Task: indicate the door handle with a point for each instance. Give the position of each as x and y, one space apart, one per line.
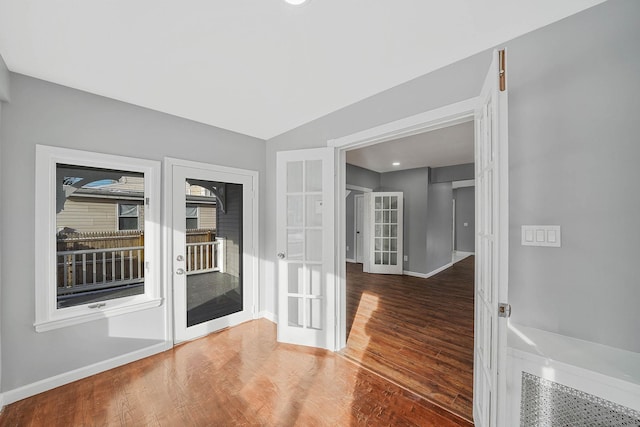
281 255
180 271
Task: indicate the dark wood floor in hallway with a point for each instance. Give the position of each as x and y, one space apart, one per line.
416 332
237 377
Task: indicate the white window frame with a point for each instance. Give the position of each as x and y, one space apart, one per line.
47 315
118 216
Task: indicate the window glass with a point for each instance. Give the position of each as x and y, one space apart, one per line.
192 217
99 234
128 217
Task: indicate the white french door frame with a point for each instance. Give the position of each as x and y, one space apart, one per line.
167 224
438 118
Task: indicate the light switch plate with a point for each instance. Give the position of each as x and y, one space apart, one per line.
541 235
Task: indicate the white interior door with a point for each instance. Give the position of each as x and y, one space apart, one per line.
212 233
359 225
491 250
385 232
305 247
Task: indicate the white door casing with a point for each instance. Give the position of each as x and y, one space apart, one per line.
385 232
491 249
306 247
177 171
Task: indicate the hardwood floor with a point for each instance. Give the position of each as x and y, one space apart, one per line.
416 332
236 377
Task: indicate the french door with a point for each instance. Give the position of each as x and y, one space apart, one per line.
385 232
212 251
491 249
305 247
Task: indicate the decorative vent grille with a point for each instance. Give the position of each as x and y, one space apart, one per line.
546 403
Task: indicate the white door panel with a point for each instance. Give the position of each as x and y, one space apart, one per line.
385 232
491 251
213 279
305 247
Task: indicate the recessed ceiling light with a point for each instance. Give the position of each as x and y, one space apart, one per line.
296 2
395 163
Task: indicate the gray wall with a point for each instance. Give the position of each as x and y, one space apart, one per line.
45 113
573 161
573 129
4 96
453 173
439 221
362 177
465 213
413 184
4 81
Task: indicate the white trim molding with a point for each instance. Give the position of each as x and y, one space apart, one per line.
268 315
429 274
358 188
463 183
438 118
80 373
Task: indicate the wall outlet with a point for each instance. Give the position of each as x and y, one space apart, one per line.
347 248
406 257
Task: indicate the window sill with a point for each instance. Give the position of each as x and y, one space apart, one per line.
99 313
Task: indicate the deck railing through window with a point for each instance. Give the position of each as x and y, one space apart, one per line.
203 257
95 269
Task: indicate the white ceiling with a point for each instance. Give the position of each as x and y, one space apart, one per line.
258 67
448 146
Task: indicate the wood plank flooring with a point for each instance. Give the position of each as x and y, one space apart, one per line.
416 332
237 377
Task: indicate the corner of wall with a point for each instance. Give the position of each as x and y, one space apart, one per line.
4 81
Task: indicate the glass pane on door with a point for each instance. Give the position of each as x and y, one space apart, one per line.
304 222
386 230
213 252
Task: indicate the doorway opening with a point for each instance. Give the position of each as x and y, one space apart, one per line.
416 327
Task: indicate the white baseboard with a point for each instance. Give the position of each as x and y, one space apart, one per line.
429 274
268 315
352 261
460 255
32 389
